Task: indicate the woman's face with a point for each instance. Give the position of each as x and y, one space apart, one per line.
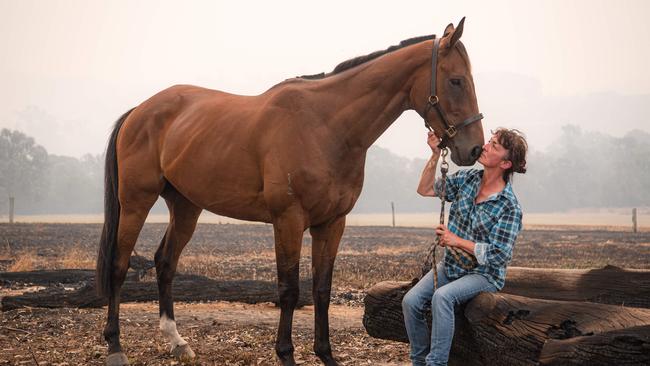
494 155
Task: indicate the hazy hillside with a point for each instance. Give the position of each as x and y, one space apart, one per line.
581 169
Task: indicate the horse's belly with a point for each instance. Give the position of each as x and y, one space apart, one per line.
240 210
220 194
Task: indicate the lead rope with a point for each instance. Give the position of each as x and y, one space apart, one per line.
430 261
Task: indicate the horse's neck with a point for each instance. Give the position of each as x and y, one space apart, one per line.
364 101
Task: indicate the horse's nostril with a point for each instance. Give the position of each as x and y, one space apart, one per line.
476 152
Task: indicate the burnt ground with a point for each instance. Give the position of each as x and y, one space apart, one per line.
232 333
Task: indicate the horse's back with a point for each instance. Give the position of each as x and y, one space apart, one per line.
201 141
229 153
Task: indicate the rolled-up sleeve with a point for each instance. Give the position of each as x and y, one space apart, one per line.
497 252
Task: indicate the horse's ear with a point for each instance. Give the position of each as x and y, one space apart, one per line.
457 33
448 30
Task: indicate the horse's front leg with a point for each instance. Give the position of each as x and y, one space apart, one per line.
288 229
325 244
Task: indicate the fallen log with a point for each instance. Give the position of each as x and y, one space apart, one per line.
382 315
138 266
48 277
630 346
506 329
609 285
502 329
185 288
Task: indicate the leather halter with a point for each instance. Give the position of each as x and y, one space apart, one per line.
450 129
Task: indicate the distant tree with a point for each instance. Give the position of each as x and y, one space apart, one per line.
630 170
392 178
75 186
585 169
23 166
94 167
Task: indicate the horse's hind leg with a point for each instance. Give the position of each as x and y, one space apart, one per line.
183 216
132 216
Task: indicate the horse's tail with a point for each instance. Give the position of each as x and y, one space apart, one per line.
104 274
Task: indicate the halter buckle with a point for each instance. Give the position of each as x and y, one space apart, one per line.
451 131
433 99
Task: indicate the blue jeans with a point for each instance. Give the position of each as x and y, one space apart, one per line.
435 350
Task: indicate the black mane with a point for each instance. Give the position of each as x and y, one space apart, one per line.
345 65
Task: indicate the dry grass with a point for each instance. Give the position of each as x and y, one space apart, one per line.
367 255
76 257
382 250
25 261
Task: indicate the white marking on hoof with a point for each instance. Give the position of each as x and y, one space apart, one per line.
168 328
183 353
117 359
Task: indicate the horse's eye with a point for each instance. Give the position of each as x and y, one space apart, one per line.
455 82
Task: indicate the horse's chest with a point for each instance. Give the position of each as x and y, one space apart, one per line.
337 199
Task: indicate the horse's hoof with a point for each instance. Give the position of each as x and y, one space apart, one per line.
287 360
117 359
183 353
327 359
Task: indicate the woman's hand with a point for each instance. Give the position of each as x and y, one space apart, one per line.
433 141
447 238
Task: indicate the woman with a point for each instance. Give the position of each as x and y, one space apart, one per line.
484 220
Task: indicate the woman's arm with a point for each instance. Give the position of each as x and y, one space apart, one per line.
425 187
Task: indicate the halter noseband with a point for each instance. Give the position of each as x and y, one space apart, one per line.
450 130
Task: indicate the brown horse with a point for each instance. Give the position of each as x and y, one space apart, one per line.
293 156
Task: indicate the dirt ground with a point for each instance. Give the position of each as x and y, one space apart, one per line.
241 334
220 333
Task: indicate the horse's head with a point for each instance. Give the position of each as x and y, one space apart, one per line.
443 94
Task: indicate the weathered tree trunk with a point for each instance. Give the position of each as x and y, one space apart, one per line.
608 285
382 316
501 329
49 277
185 288
630 346
505 329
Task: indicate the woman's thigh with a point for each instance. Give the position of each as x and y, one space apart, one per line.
465 288
423 290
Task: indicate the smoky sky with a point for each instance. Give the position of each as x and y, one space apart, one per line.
70 68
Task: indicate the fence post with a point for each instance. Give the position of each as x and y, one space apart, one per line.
392 207
634 222
11 210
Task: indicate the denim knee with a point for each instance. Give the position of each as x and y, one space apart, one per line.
410 302
443 297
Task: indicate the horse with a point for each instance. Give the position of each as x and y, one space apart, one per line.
292 156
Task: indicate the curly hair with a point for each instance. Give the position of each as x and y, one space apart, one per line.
515 142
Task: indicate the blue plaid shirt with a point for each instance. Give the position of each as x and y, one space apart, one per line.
492 225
